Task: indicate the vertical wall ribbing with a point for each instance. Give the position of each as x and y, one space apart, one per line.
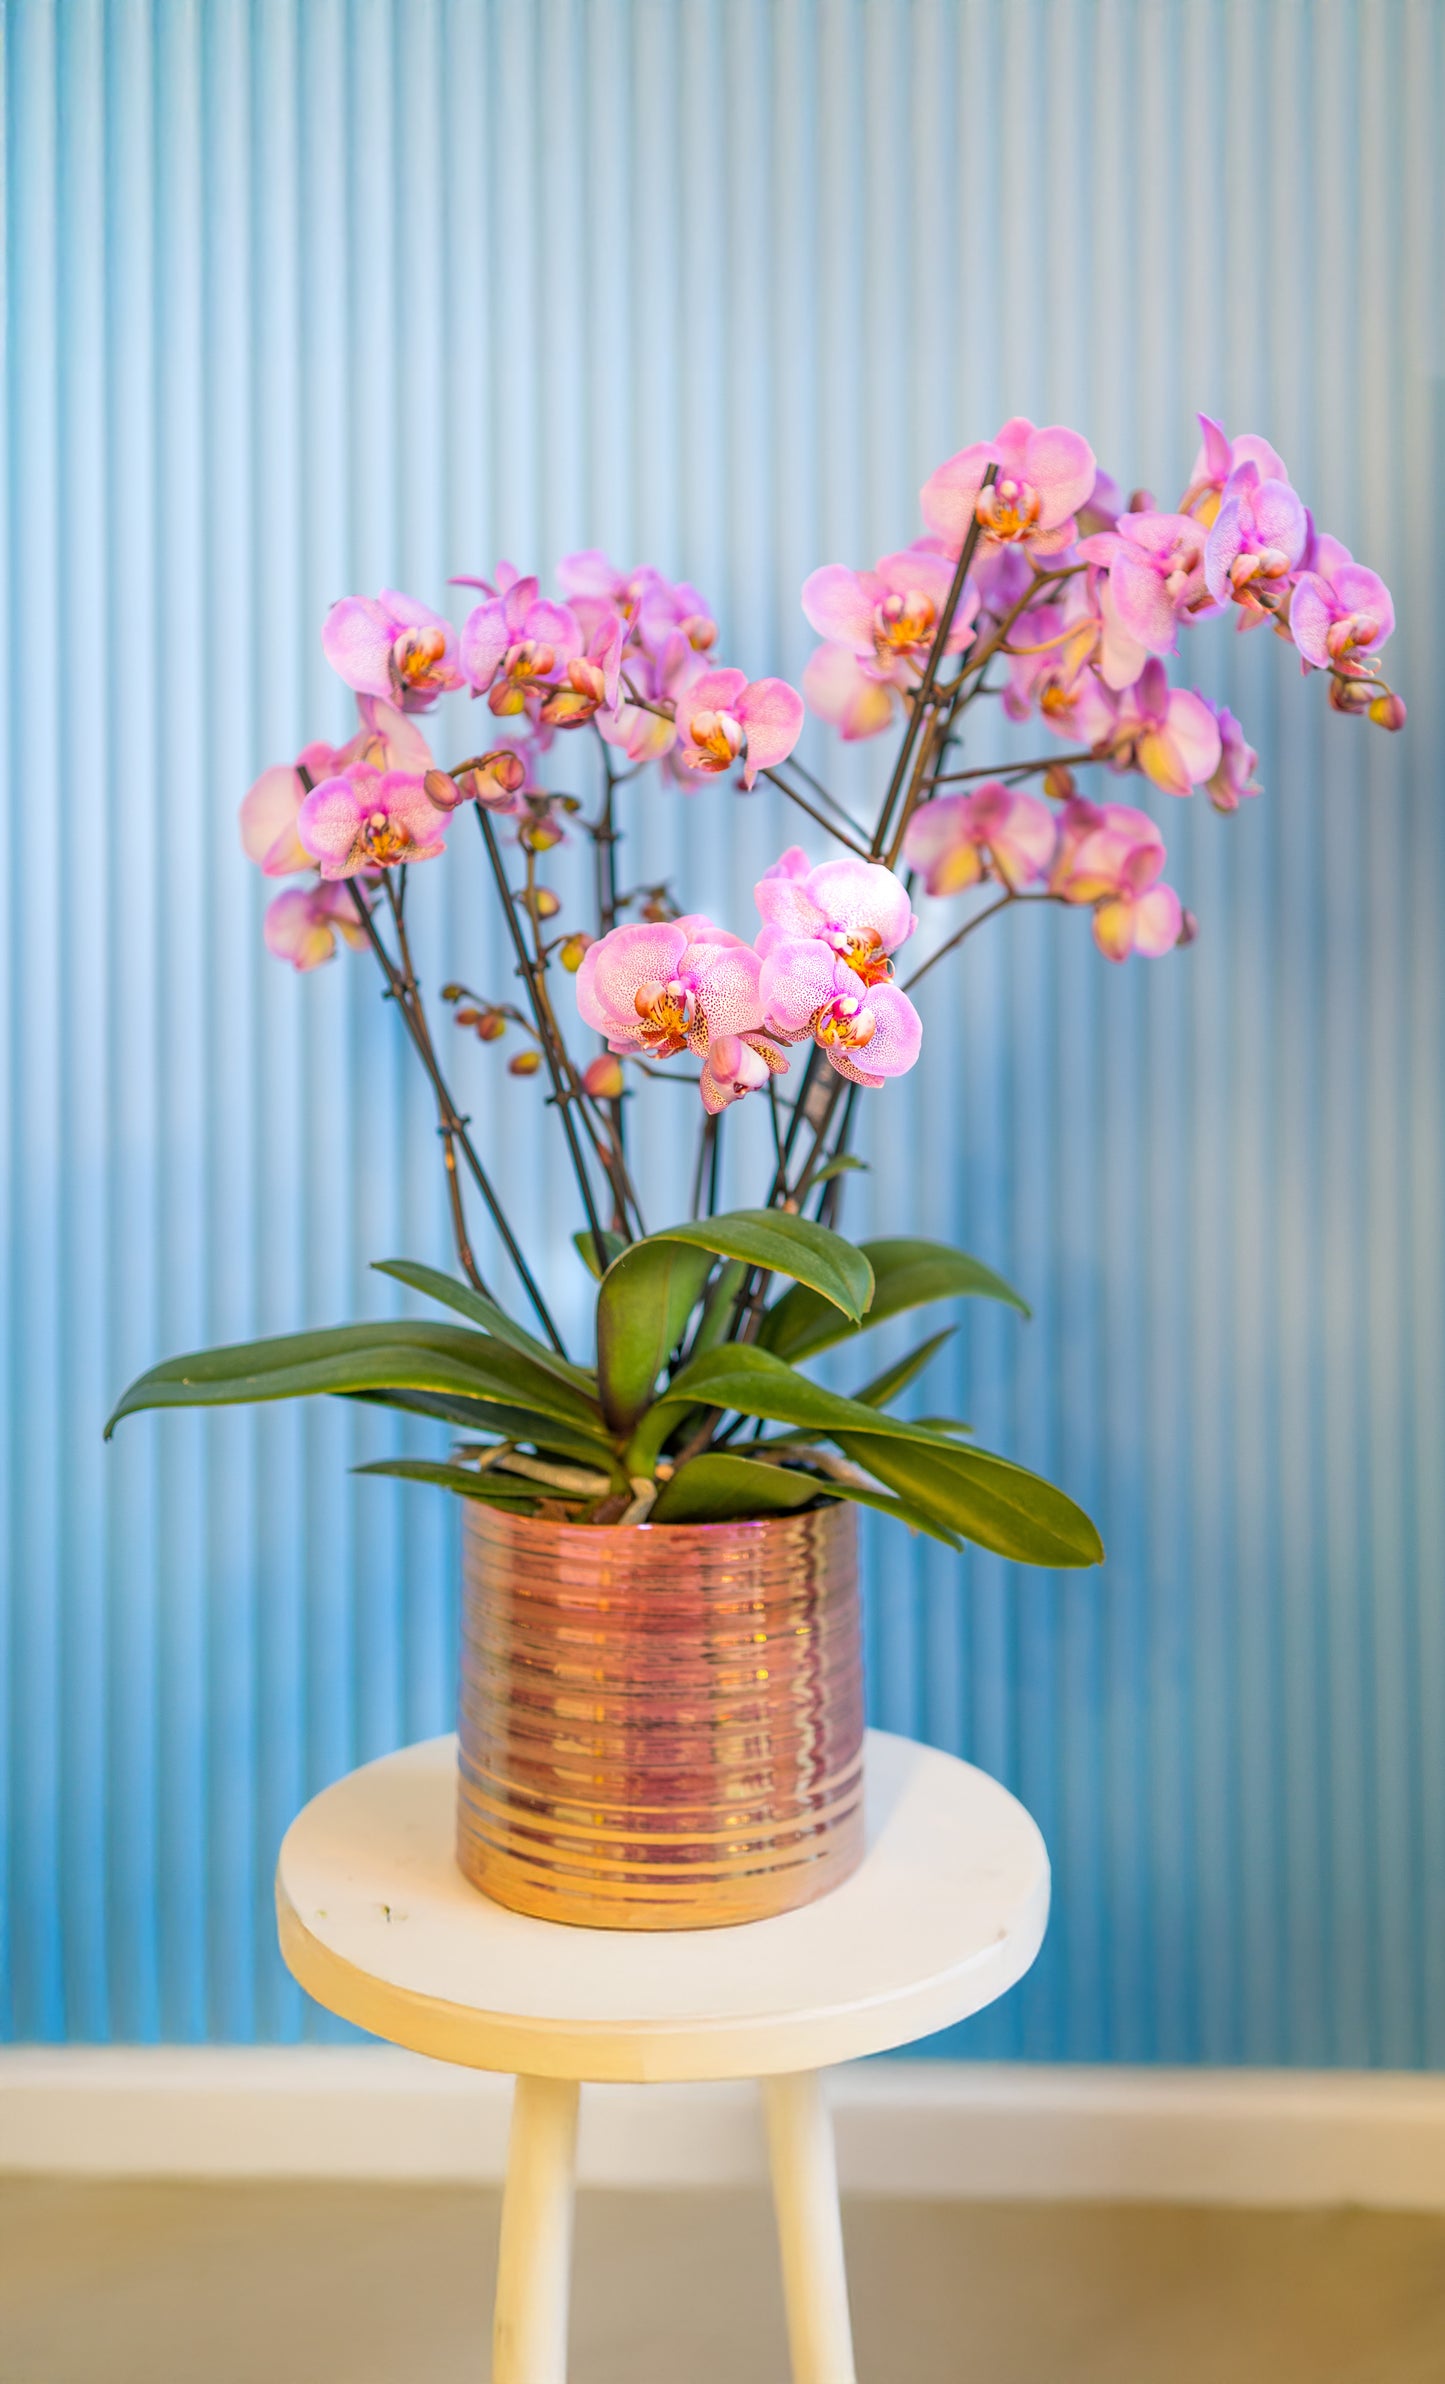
307 295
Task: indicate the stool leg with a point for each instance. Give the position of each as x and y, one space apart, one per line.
810 2236
534 2272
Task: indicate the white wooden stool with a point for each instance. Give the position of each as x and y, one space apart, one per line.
946 1912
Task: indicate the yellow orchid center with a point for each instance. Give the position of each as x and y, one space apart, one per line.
384 839
902 623
862 948
717 739
418 653
669 1017
1008 510
845 1022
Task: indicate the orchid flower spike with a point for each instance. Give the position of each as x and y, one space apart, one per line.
1340 614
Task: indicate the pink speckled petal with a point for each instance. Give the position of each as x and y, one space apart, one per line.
839 605
863 895
614 968
1060 465
356 638
772 713
797 977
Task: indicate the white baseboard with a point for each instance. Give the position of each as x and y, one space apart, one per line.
949 2129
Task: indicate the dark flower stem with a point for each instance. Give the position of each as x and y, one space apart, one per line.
453 1125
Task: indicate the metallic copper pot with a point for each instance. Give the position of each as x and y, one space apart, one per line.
660 1728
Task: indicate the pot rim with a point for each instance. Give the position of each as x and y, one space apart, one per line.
593 1535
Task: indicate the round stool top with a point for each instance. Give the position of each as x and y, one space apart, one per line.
946 1912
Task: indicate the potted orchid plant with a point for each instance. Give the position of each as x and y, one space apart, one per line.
691 1448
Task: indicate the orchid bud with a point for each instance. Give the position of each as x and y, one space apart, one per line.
538 836
542 902
525 1063
490 1025
442 790
1188 931
572 953
1060 784
602 1078
1350 695
451 993
1388 711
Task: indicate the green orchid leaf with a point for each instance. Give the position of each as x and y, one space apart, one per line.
543 1433
754 1382
906 1274
360 1357
585 1244
834 1271
719 1488
647 1296
998 1505
717 1308
846 1164
475 1305
463 1480
901 1510
896 1378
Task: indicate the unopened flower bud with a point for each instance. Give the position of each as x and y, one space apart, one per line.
451 993
538 836
1388 711
524 1063
490 1025
442 791
542 902
602 1078
572 953
1060 783
1188 930
467 1016
1140 501
1350 695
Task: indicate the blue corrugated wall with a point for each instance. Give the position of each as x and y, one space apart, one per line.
312 295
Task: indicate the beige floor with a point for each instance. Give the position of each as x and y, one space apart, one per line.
194 2284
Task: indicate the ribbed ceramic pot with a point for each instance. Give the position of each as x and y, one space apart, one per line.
660 1728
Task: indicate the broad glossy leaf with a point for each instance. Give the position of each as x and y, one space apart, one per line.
360 1357
897 1377
586 1247
906 1274
646 1298
834 1270
755 1382
718 1487
464 1480
544 1433
900 1509
452 1293
998 1505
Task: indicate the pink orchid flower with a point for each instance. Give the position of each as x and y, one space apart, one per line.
886 617
1168 733
1340 614
646 731
1044 476
735 1065
593 680
669 987
840 691
1218 459
368 819
808 990
1110 857
997 831
517 644
1234 777
272 806
1258 539
1155 565
723 717
392 647
1052 653
857 910
302 925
